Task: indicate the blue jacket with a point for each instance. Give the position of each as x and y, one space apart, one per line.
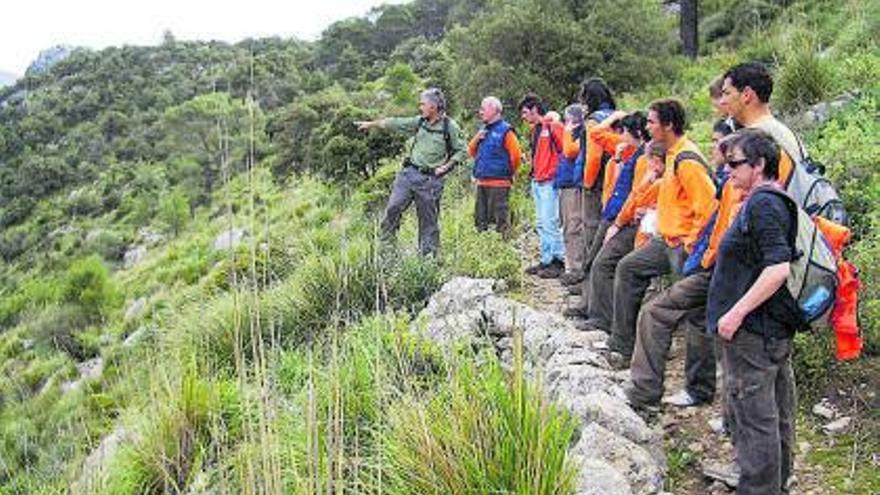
622 187
570 171
493 160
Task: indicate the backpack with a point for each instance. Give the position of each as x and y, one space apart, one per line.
812 281
813 192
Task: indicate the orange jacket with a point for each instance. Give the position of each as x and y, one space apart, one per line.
731 201
595 150
643 195
686 199
607 140
511 144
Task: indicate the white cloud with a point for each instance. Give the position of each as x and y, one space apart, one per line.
33 25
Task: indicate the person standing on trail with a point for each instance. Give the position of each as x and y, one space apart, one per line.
569 185
435 149
546 145
685 203
599 103
497 156
745 95
755 316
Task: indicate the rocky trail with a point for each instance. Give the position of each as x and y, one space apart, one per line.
689 442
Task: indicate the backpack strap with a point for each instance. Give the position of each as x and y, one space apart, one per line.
447 137
536 136
691 155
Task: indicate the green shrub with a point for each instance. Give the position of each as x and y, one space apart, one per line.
59 327
174 210
88 285
804 78
108 244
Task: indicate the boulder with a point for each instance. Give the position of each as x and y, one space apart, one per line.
135 309
134 255
229 239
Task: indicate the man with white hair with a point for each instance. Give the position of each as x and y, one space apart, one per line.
497 156
436 147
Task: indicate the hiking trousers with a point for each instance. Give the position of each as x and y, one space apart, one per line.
426 190
631 280
547 220
492 207
681 305
592 201
598 288
571 209
762 394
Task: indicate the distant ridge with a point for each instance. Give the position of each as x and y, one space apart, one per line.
7 78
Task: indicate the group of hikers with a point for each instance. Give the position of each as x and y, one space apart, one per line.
623 198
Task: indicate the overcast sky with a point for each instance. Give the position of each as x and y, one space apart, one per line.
33 25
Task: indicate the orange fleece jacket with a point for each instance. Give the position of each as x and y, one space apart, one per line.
686 199
643 194
595 149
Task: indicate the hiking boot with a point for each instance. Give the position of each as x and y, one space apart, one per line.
682 398
573 277
727 473
575 312
553 270
646 410
534 269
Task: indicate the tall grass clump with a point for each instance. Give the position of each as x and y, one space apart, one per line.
805 76
172 444
481 431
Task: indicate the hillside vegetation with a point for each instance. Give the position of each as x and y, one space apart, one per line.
282 363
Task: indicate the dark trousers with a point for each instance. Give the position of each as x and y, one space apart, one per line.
492 207
681 305
762 392
592 201
598 292
426 190
590 256
631 280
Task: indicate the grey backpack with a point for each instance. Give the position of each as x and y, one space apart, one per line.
813 192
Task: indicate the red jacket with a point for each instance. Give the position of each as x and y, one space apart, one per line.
545 152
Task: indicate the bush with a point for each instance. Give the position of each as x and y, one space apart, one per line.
805 77
108 244
174 210
59 327
88 285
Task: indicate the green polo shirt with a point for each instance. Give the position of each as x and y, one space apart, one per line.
427 143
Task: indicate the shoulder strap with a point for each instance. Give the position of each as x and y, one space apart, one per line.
447 136
690 155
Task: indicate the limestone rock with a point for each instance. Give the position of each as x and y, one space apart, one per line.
229 239
838 426
632 461
134 255
600 478
135 309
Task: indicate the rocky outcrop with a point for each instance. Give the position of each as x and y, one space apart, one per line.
229 239
615 450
